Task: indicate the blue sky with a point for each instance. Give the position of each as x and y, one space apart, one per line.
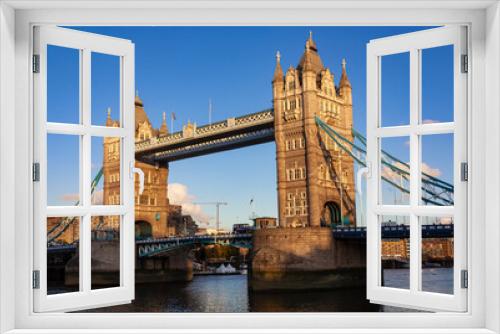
178 69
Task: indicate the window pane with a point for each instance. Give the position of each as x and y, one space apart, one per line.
106 153
437 84
105 251
437 254
395 89
63 264
395 250
63 170
437 169
63 85
105 89
395 171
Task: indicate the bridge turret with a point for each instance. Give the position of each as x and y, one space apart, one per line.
311 68
345 90
109 121
278 105
278 81
345 85
138 101
163 128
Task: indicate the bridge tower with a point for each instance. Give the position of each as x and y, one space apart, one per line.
152 206
315 177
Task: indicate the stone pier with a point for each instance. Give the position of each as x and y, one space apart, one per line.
174 266
305 258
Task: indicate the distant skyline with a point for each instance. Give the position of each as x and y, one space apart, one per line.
179 69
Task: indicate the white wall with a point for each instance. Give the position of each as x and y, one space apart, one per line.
492 171
7 175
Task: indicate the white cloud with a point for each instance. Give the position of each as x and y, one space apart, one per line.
178 194
436 172
97 197
392 174
395 176
429 121
70 197
446 220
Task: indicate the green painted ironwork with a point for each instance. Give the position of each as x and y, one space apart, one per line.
435 191
57 230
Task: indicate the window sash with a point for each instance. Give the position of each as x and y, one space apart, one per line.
173 16
413 43
86 43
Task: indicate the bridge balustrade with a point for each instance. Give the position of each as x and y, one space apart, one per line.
237 124
151 247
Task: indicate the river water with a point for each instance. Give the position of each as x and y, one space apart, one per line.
229 293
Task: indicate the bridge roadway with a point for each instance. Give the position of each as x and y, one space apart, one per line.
152 247
221 136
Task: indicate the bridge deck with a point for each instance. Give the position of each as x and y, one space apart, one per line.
217 137
151 247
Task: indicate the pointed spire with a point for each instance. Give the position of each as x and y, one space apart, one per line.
278 71
344 81
310 60
109 121
306 61
163 127
138 101
310 44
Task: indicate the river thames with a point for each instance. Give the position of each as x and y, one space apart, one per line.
229 293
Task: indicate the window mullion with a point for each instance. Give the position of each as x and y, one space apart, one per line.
414 170
86 112
85 167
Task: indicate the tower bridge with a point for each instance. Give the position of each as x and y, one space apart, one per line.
310 123
315 177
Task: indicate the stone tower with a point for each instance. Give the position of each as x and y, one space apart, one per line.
152 207
315 177
111 179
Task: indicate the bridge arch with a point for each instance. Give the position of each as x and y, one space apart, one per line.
143 229
331 214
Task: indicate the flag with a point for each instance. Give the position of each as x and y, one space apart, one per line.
251 201
173 116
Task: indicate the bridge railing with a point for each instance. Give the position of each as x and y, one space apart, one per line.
210 129
172 137
264 115
151 247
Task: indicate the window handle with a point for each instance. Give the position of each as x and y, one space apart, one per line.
367 172
136 170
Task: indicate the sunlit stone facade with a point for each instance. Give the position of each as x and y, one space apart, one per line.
313 172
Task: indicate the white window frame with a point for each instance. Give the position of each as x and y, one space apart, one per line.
16 20
85 43
413 43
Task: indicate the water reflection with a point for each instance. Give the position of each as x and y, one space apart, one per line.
230 294
342 300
